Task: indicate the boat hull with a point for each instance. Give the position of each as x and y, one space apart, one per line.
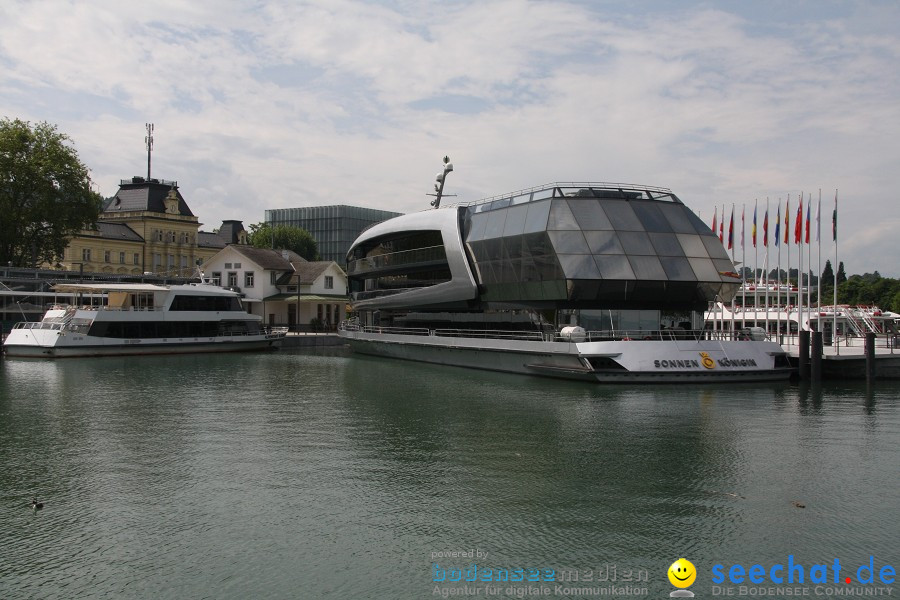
637 361
28 343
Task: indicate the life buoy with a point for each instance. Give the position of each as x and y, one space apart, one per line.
626 339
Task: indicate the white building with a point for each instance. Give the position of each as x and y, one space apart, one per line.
282 286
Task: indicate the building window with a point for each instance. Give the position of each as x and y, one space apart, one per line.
232 279
121 258
237 265
248 279
217 278
171 261
137 258
329 282
227 265
157 261
158 234
86 254
273 277
107 256
184 262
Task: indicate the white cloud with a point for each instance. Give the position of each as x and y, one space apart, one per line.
319 102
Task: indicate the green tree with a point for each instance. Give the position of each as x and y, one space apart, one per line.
841 275
288 237
45 193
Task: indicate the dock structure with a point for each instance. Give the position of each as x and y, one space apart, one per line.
848 358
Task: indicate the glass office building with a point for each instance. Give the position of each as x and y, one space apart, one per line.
333 227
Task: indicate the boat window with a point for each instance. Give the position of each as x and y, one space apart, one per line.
677 268
561 217
604 242
647 267
614 267
621 215
666 244
692 245
536 220
589 214
184 302
569 242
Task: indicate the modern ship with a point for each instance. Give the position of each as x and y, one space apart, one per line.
133 318
603 282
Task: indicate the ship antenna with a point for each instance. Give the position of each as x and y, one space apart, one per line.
439 183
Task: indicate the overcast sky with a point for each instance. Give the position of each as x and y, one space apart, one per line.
300 103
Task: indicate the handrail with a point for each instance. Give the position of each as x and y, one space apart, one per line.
400 258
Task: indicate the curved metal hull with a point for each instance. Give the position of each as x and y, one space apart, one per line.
641 361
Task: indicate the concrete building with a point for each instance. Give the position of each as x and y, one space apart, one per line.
333 227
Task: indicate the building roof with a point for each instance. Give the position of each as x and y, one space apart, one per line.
230 231
272 260
139 194
207 239
117 231
309 272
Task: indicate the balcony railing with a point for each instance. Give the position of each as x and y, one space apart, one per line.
396 259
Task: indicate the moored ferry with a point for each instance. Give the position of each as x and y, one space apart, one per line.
591 281
126 319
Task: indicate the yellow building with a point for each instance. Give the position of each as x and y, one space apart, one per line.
147 227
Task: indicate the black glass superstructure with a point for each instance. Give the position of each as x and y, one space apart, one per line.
557 246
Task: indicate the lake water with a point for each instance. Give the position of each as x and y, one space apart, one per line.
326 475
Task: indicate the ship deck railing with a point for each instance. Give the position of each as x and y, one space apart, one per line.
617 335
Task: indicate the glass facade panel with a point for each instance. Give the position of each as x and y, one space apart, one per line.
678 220
647 267
604 242
692 245
495 221
538 213
476 227
614 267
651 217
714 247
561 216
579 266
589 214
515 220
569 242
666 244
677 268
704 269
636 243
621 215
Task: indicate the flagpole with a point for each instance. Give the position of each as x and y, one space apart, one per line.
808 261
778 272
819 253
798 239
743 272
787 229
766 265
837 345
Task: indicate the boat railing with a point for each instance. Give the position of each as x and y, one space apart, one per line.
490 334
397 259
58 326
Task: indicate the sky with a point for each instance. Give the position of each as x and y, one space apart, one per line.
272 104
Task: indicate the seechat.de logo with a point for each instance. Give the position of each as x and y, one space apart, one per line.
682 574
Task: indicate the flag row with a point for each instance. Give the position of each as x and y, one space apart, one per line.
801 235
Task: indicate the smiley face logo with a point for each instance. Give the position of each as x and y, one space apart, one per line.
682 573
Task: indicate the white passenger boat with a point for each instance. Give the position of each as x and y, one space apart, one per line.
123 318
783 310
590 281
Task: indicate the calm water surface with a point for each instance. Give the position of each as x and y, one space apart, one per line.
327 475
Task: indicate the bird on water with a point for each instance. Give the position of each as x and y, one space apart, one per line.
35 505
